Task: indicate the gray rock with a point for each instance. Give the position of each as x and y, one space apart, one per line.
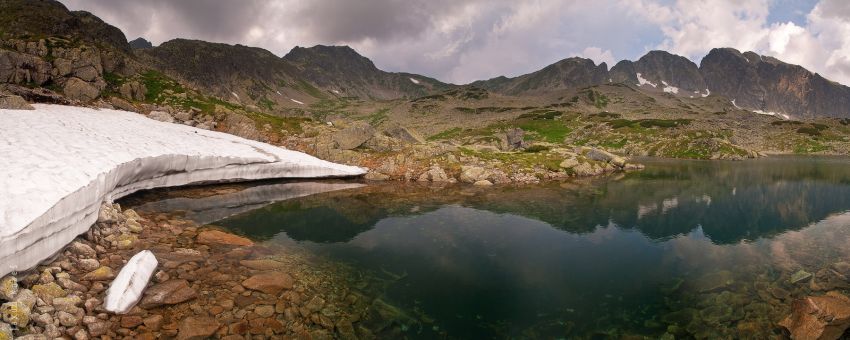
568 163
13 102
88 265
405 134
435 174
82 249
98 328
77 89
122 104
161 116
515 138
353 136
472 174
67 319
86 73
605 156
133 90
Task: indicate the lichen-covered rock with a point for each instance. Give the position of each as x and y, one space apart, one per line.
48 291
100 274
5 331
354 135
8 288
15 313
472 174
27 297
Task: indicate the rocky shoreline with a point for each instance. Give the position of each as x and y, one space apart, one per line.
209 284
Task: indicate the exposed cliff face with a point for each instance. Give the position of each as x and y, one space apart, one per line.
42 18
139 43
678 73
770 85
343 70
624 72
569 73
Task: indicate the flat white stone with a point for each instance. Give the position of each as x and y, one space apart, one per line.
58 163
127 288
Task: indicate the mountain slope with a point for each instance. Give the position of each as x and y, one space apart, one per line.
770 85
568 73
342 70
762 84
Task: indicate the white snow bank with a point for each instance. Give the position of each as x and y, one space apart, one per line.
296 101
775 114
643 81
58 163
126 290
414 81
707 93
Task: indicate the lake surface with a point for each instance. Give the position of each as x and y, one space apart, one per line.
682 248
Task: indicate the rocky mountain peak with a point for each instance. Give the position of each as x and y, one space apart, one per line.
140 43
669 72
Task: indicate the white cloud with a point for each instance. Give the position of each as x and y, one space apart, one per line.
599 56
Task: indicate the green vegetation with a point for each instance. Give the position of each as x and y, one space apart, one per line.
157 83
378 117
547 160
536 148
814 130
541 114
553 131
266 103
785 122
648 123
597 99
309 89
447 134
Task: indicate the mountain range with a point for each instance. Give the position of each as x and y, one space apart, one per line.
41 41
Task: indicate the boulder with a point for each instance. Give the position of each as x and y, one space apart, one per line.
819 317
86 73
122 104
239 125
515 138
161 116
353 136
168 293
133 90
197 327
568 163
210 237
405 134
13 102
77 89
269 283
605 156
472 174
35 95
434 174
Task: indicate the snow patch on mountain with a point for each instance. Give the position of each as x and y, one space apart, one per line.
643 81
296 101
669 89
60 162
414 81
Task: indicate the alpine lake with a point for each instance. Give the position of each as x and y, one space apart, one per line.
684 249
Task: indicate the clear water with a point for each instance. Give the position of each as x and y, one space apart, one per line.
683 248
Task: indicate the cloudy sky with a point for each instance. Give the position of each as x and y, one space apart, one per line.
464 40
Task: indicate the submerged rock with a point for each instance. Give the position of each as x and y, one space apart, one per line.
168 293
210 237
819 317
269 283
197 327
800 276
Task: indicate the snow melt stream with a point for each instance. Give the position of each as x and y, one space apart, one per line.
58 163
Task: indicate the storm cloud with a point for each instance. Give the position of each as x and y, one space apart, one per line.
465 40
